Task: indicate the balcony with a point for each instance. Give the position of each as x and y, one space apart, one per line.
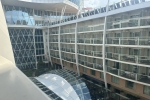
128 74
135 21
91 40
97 53
112 70
129 58
72 50
129 41
89 28
68 40
54 32
98 66
112 55
143 78
71 30
90 53
144 60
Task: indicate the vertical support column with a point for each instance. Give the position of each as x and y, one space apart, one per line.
48 48
59 47
76 47
104 37
34 46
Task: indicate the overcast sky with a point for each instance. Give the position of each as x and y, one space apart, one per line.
97 3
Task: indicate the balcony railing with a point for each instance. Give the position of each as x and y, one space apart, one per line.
113 70
54 32
128 74
131 22
129 58
68 50
90 53
53 40
112 55
91 40
91 64
54 48
128 40
69 59
71 30
68 40
141 77
94 28
100 10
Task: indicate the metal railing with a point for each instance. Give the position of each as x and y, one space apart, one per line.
128 40
90 40
114 6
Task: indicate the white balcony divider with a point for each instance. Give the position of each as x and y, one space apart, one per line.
49 47
59 47
35 46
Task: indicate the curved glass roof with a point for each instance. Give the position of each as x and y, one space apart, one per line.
65 84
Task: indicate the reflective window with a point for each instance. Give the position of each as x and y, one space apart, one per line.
23 47
130 85
115 79
147 90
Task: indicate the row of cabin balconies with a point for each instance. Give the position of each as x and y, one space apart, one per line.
133 72
93 65
131 22
138 59
128 40
141 41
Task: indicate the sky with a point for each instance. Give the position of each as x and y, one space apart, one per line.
97 3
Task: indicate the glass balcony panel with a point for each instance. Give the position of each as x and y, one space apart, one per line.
128 58
144 60
112 70
144 41
145 21
81 51
98 66
80 40
128 74
97 53
88 53
143 78
89 64
129 41
112 40
87 41
111 55
97 41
